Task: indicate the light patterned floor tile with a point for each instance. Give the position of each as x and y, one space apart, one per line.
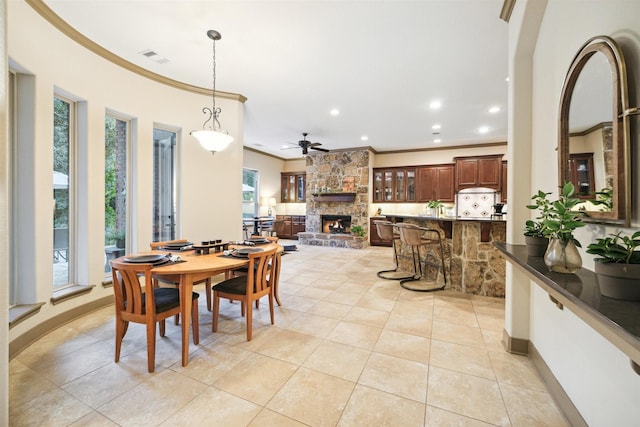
531 407
362 336
340 360
214 407
397 376
370 407
257 378
461 358
467 395
406 346
312 398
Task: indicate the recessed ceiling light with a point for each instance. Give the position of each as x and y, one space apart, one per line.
435 105
483 129
285 146
507 79
436 127
437 140
494 109
334 112
364 138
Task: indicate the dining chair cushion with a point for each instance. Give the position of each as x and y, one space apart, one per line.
166 299
235 285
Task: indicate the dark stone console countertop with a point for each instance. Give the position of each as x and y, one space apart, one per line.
618 321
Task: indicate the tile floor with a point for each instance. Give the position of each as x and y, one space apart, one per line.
347 349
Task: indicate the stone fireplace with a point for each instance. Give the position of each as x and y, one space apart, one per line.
337 189
336 224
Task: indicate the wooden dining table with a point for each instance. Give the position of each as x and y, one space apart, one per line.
194 268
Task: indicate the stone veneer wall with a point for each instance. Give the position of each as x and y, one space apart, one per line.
335 171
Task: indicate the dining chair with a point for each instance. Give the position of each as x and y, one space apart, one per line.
132 300
248 288
156 281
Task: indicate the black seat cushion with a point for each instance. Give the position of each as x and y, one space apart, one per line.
167 298
237 286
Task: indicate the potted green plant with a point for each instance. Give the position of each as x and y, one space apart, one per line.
534 229
357 231
433 208
618 265
562 255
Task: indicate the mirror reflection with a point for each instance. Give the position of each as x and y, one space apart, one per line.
591 135
594 132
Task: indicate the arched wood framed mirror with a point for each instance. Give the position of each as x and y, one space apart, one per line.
594 148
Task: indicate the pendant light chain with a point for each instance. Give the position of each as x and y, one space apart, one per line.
214 77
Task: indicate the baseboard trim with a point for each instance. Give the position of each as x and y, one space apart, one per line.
33 334
515 345
562 400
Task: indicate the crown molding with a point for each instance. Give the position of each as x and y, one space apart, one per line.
43 10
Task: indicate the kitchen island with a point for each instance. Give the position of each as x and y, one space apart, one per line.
474 265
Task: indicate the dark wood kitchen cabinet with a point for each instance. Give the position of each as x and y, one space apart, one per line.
288 226
374 237
504 181
394 185
435 182
581 174
293 187
479 171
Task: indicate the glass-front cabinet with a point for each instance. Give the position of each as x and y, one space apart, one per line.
394 185
293 187
582 175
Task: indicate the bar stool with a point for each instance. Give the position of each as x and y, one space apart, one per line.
417 237
388 234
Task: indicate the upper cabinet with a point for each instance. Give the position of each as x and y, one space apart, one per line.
581 174
394 185
293 187
435 183
479 171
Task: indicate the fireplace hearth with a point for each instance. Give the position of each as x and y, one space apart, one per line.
336 224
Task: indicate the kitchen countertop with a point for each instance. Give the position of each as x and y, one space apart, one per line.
446 218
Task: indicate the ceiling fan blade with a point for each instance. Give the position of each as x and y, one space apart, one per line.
314 144
319 149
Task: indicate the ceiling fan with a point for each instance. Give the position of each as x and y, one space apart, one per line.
305 145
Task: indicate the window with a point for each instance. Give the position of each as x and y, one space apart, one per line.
63 191
115 187
164 185
250 200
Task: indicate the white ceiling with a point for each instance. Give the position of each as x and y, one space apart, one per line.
380 63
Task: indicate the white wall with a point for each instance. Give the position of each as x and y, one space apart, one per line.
596 376
209 187
433 156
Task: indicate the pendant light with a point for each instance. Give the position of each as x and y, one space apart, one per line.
213 138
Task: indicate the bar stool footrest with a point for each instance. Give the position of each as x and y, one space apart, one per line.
421 285
395 274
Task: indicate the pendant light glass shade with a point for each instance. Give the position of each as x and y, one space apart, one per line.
211 140
215 138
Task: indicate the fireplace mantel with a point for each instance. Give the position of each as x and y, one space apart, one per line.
334 197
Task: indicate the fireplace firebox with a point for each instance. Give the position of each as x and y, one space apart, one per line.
336 224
